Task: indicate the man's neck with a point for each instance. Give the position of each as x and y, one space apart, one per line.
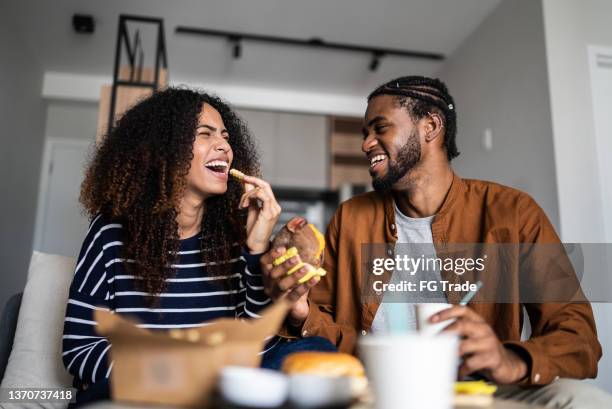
423 191
191 212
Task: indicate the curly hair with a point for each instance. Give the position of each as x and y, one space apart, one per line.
137 176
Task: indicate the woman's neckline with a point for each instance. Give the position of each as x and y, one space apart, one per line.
195 236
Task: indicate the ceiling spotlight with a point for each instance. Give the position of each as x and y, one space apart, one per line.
376 56
237 48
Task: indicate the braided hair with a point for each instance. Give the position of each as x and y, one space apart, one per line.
422 96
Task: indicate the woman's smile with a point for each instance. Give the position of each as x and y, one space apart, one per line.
219 168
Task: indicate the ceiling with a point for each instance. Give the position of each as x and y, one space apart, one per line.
425 25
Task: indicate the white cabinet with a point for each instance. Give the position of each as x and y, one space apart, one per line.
293 147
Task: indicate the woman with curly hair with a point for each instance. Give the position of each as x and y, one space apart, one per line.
173 241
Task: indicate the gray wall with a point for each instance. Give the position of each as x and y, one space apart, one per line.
21 144
570 27
71 120
499 81
523 73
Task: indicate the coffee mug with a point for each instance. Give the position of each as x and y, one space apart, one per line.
411 370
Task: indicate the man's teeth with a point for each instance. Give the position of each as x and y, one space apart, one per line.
216 164
375 159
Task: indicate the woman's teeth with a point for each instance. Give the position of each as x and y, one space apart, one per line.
217 165
375 159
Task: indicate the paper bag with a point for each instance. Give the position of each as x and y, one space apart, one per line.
181 367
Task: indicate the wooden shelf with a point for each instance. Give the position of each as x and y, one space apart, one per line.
348 162
127 97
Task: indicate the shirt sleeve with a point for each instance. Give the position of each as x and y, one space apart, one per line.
322 298
255 298
84 352
564 341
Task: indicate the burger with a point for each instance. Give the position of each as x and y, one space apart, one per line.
328 364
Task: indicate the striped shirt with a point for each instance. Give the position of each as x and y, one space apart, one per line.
192 297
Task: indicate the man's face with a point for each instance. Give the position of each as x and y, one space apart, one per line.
391 141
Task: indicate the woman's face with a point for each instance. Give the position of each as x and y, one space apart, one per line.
212 155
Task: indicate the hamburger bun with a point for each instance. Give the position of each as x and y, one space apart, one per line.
331 364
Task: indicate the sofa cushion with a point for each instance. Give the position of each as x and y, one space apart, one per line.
36 357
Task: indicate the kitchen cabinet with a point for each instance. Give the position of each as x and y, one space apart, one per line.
294 149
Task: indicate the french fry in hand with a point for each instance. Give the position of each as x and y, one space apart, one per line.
290 253
312 273
237 174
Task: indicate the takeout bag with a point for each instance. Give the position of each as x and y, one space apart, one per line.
153 367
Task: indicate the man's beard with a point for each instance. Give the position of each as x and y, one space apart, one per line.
408 156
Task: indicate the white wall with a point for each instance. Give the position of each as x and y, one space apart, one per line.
570 27
21 144
70 132
86 88
498 79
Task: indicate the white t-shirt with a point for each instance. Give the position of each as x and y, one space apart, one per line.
397 311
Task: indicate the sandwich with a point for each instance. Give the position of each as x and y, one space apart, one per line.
303 238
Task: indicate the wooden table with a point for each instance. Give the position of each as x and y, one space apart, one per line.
497 404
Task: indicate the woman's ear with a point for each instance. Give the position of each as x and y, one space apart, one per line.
434 126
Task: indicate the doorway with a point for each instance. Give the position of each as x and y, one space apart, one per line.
60 222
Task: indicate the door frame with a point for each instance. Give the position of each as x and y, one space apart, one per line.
597 53
43 186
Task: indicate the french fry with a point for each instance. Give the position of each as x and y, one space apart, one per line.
312 273
290 253
316 272
237 174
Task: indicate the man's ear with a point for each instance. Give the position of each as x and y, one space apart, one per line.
433 126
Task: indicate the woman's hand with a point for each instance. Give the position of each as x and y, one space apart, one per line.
264 212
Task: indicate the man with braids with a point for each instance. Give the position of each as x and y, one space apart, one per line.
173 241
409 139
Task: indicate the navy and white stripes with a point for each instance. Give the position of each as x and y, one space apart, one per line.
192 297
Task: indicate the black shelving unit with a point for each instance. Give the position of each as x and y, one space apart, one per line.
134 50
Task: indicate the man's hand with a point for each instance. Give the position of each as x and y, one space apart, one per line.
480 348
277 284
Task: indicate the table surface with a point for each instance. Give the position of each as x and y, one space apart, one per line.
497 404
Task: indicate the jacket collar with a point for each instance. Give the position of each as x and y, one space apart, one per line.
455 193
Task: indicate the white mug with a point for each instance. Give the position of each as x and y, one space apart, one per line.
424 312
411 370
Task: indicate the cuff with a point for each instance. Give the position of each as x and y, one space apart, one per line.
304 330
538 372
252 260
311 323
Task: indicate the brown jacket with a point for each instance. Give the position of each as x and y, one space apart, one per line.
564 339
